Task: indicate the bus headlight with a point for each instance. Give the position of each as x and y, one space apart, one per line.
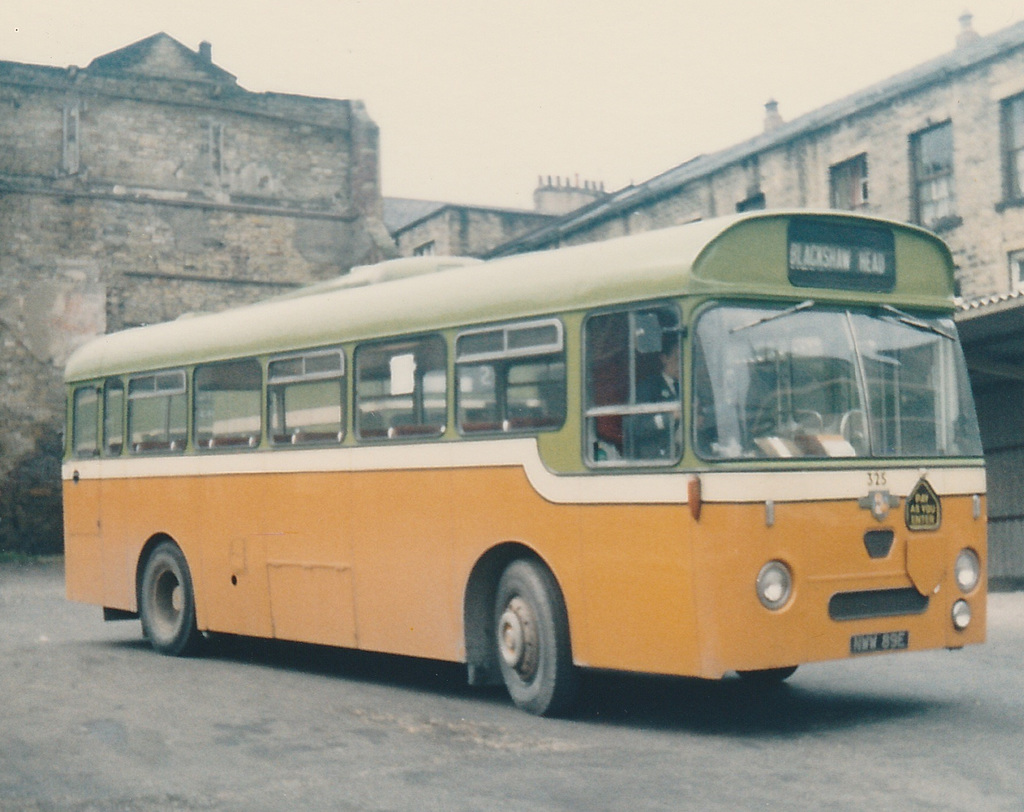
774 585
967 569
961 615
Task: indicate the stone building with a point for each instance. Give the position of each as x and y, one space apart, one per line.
423 227
142 186
940 145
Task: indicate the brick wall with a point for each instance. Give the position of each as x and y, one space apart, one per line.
144 186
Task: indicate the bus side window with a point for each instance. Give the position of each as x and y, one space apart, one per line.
511 378
633 399
113 417
401 389
227 405
84 425
157 412
306 398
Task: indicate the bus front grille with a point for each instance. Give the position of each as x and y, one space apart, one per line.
877 603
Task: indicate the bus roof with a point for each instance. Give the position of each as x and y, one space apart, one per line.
406 299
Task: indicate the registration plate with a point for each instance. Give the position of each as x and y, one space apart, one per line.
881 641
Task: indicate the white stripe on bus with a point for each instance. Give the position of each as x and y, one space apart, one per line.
636 486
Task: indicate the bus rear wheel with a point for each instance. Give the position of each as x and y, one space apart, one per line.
167 602
531 633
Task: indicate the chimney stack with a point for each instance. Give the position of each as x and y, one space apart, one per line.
205 51
554 197
772 117
967 33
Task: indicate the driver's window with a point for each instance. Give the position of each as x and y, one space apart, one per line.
633 395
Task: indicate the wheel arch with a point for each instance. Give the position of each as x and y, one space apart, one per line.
147 550
478 608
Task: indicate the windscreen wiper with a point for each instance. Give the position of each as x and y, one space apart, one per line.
772 316
920 324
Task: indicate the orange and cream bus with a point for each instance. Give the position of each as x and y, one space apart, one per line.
738 445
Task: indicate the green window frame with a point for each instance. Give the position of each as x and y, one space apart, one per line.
228 405
401 389
158 412
632 410
85 415
511 378
306 398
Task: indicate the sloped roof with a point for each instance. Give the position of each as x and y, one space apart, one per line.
402 211
160 55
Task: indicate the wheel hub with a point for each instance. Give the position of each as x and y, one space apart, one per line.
517 638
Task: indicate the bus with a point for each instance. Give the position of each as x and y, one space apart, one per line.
730 447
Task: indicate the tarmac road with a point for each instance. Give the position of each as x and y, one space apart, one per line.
93 721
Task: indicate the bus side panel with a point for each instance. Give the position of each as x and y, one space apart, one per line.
499 505
310 567
401 530
83 548
233 579
136 510
624 570
638 589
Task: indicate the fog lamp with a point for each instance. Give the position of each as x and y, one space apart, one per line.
961 615
967 569
774 585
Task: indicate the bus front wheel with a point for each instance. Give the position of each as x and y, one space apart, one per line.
167 602
531 632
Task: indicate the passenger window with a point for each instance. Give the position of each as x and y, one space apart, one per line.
85 421
633 398
401 389
113 417
305 398
157 412
511 378
227 405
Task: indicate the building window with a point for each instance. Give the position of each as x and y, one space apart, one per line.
1013 148
848 183
214 148
1017 269
70 153
934 194
428 249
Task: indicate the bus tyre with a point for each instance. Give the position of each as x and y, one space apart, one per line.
532 638
767 677
167 602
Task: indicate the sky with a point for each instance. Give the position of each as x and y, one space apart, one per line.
476 99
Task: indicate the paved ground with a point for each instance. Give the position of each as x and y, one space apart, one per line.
93 721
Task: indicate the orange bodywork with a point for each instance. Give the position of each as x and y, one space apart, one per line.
380 560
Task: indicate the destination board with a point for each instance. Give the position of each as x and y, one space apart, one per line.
839 255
